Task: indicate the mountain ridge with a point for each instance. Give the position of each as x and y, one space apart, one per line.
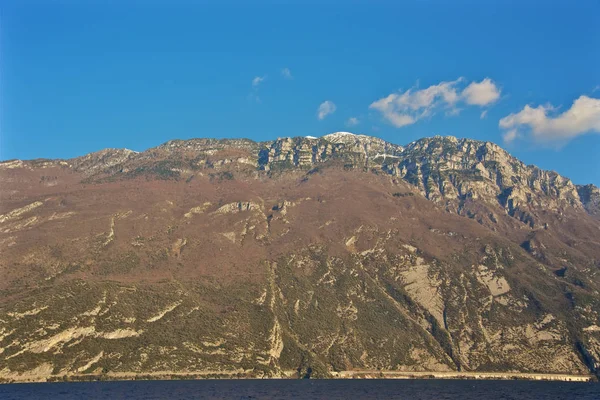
266 142
386 152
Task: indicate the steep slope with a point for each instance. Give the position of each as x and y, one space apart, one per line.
590 197
296 257
445 168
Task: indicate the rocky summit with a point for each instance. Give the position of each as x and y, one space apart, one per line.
298 257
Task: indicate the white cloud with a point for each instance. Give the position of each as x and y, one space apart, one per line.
583 117
352 121
286 73
406 108
481 93
258 80
327 107
483 114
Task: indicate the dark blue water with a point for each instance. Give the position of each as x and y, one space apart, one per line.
304 389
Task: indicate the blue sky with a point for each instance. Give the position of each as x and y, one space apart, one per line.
77 77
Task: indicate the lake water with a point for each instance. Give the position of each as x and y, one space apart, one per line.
304 389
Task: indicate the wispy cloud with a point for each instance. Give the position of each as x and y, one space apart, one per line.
510 135
483 114
258 80
352 121
453 111
544 125
254 97
412 105
286 73
326 108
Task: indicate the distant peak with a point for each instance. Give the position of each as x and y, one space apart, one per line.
342 133
425 141
345 136
447 137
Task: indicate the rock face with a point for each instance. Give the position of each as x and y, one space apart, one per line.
590 197
307 257
446 169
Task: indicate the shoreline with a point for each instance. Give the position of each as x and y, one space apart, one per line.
342 375
530 376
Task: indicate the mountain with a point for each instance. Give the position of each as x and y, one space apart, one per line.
310 257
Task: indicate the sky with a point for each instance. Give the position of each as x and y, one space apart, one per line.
80 76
